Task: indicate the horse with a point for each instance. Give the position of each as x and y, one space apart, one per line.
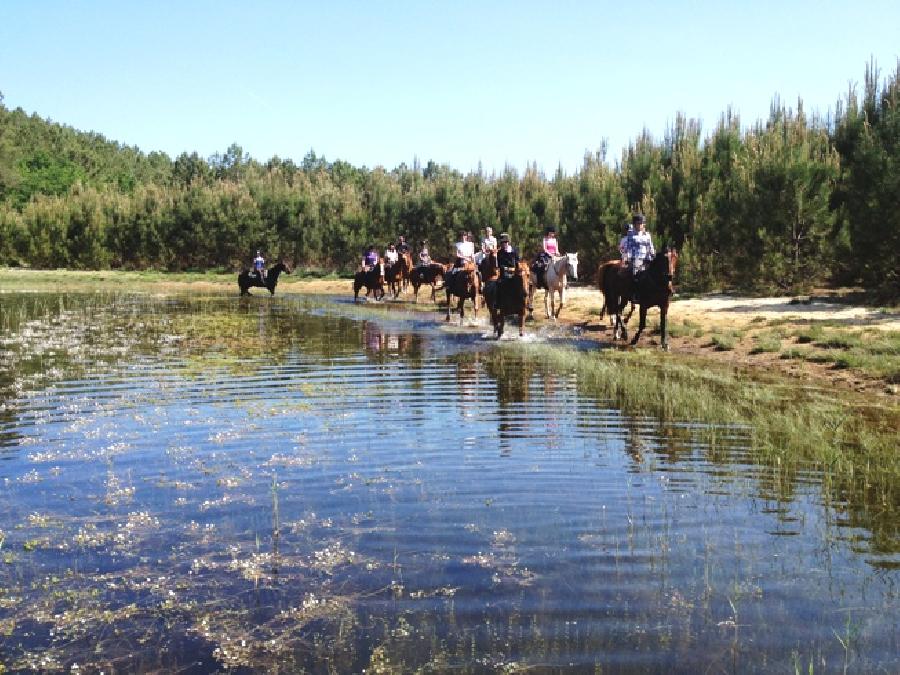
508 296
463 283
488 269
393 277
616 293
247 279
372 280
654 289
558 271
406 267
426 274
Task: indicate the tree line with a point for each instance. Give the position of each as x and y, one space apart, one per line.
787 203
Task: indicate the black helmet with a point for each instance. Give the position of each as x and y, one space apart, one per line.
504 237
549 229
638 218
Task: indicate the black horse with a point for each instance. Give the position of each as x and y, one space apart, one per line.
371 280
654 289
248 279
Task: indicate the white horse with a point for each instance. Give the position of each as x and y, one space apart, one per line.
557 274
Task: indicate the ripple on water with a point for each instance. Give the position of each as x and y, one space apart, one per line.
357 491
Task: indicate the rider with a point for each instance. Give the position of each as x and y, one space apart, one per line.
465 250
391 256
507 258
549 250
259 266
488 244
402 246
424 255
640 249
370 258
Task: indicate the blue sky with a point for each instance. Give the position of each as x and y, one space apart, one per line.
380 83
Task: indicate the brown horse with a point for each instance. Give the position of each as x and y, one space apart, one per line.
426 274
372 280
488 268
654 289
508 296
406 267
464 284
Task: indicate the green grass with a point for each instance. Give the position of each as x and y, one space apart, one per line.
723 343
766 343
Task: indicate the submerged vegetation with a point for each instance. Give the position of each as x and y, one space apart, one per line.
782 203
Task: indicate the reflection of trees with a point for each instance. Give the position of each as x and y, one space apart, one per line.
513 377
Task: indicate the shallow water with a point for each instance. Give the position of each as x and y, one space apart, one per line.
290 484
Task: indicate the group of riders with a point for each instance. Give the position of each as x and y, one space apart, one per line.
635 247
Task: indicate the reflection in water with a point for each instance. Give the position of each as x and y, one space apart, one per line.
212 483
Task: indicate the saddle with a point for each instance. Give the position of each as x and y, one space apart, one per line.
466 267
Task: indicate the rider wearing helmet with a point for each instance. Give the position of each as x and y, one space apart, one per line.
507 257
640 247
402 246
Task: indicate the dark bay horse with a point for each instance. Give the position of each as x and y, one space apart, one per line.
614 278
373 282
393 277
247 279
464 284
507 295
654 289
488 268
426 274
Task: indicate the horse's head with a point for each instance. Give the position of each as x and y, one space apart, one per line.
282 267
662 268
572 265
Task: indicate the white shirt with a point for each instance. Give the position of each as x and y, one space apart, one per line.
465 250
489 244
391 256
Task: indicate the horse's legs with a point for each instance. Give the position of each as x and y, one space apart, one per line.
641 325
562 300
548 300
663 310
449 298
